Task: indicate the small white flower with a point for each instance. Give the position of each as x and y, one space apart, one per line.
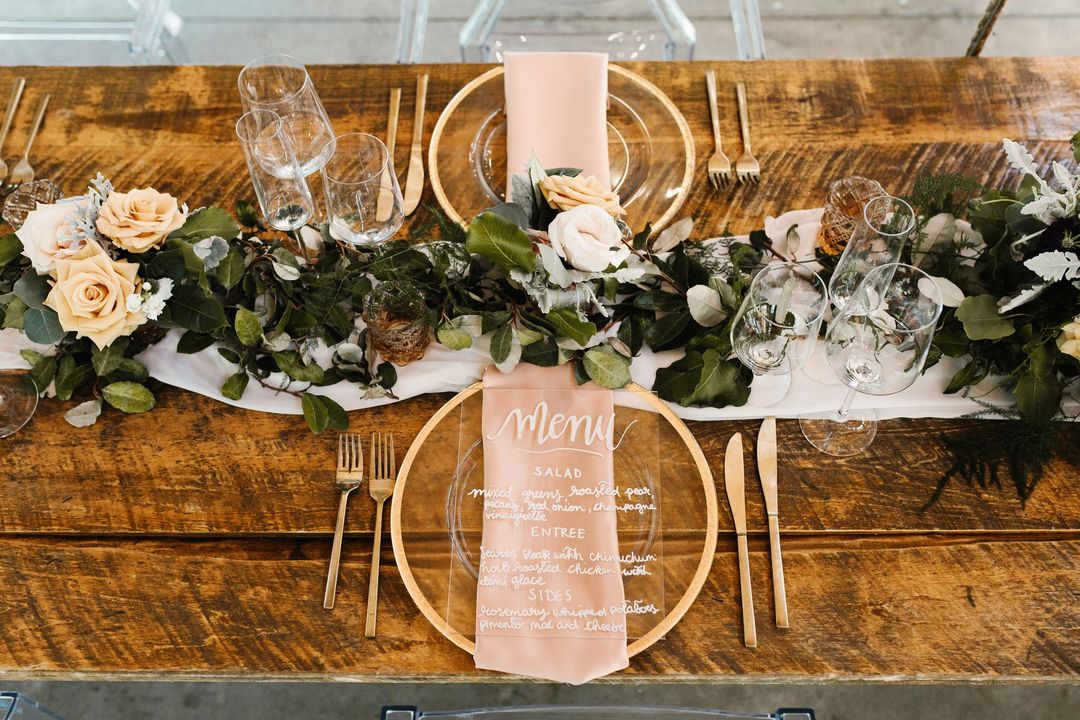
147 286
134 302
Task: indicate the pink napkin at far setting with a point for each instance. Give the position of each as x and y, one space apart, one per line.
550 599
556 109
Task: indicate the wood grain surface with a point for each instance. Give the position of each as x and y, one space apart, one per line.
193 541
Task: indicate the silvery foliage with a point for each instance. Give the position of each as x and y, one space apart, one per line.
82 226
1049 204
211 250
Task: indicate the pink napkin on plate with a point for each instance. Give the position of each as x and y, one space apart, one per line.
556 108
547 441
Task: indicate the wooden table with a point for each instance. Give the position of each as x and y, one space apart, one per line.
193 541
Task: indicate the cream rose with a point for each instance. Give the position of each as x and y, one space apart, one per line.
140 219
587 238
90 295
47 235
1068 341
564 193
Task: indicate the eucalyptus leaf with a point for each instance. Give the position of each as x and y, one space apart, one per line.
706 305
84 414
10 248
107 359
128 397
42 326
13 313
981 319
292 365
501 241
192 342
607 369
192 309
71 376
234 387
206 223
285 272
568 324
247 326
32 289
231 269
315 412
501 341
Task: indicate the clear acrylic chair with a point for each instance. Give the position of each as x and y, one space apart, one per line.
749 37
582 712
14 706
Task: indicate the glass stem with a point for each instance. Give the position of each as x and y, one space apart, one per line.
846 405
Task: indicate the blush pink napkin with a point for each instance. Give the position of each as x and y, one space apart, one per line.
510 460
556 108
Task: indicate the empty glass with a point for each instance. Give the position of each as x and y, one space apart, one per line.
887 224
283 193
18 400
876 345
362 193
281 84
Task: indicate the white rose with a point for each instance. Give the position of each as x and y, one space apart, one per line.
46 235
587 238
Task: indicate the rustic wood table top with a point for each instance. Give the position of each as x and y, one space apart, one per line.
193 541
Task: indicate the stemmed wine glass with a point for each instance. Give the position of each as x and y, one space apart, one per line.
276 175
281 84
362 192
777 325
18 400
887 224
876 345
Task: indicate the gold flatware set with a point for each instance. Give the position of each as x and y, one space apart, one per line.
23 172
414 178
722 174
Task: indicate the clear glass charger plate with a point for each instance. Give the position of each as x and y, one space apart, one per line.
436 524
650 149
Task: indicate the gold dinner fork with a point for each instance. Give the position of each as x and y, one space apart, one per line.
381 486
23 172
746 167
719 165
350 474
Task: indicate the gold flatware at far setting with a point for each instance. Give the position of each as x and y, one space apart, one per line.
734 484
9 115
381 485
385 204
414 181
766 463
350 475
719 165
23 172
747 168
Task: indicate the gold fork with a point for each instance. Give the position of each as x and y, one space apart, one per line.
746 167
381 486
719 165
23 172
350 474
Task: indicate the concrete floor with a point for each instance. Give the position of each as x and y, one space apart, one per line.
348 31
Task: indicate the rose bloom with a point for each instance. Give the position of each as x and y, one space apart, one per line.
90 295
139 220
1068 341
564 192
587 238
46 235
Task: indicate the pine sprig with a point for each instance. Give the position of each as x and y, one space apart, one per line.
935 193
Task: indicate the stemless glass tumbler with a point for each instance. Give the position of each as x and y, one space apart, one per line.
281 84
887 224
876 345
284 195
362 193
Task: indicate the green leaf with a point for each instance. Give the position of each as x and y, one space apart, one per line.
290 363
42 326
13 313
128 397
32 357
84 414
982 320
247 326
315 412
453 337
1075 141
502 241
130 370
192 342
70 377
667 332
10 248
207 223
607 369
43 372
501 342
231 269
234 387
568 324
387 375
971 373
952 341
722 383
337 418
678 380
246 213
107 360
167 264
512 212
192 309
1038 398
544 353
32 289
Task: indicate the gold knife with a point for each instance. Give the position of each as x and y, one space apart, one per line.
766 463
734 483
414 181
385 204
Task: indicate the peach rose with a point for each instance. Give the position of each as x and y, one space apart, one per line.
46 235
564 192
90 295
140 219
1068 341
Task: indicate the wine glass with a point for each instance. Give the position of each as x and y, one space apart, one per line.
887 224
281 84
18 400
276 175
777 325
362 193
876 345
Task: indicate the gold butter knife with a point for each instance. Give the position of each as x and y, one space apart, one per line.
734 484
414 181
766 463
385 204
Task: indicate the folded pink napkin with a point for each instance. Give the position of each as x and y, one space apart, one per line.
549 600
556 108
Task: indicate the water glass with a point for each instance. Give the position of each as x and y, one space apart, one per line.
281 84
776 328
876 345
362 193
397 321
18 400
887 224
283 193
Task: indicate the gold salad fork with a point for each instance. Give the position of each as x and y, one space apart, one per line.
747 168
23 172
719 165
350 474
381 486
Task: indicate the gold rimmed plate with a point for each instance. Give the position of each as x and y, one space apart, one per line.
650 149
